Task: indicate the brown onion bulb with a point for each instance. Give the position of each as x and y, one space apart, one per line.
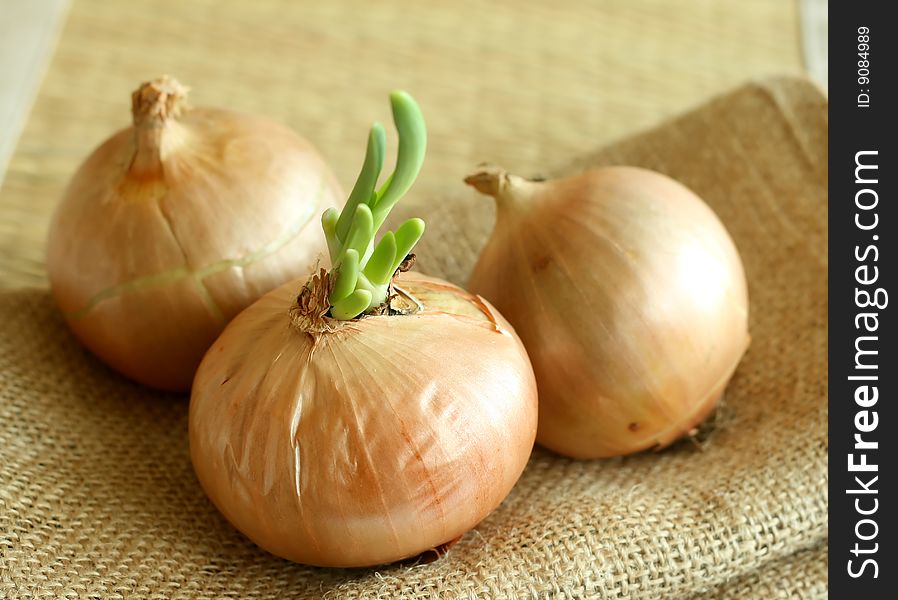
174 225
362 442
629 296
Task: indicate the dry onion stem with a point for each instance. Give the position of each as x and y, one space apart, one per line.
174 225
629 296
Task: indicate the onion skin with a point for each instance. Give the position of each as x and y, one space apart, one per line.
174 225
368 444
629 296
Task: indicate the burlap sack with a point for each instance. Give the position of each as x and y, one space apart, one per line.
98 497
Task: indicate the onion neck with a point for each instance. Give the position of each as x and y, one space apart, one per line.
513 194
311 311
155 106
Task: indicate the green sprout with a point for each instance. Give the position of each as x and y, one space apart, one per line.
362 271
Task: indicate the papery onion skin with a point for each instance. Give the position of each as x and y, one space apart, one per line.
369 444
630 297
174 225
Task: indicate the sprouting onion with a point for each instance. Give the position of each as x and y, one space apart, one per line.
367 414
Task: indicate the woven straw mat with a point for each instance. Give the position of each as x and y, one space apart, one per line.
98 497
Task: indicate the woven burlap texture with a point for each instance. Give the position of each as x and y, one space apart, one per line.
98 497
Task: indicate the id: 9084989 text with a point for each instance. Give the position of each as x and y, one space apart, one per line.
863 66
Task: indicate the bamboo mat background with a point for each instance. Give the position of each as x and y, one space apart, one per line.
525 83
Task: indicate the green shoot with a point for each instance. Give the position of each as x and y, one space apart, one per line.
362 270
351 306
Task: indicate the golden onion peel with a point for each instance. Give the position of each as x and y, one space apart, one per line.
629 296
174 225
365 441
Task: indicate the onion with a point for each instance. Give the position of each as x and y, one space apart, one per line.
629 296
340 440
362 442
174 225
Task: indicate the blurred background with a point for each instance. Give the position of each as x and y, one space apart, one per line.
525 83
